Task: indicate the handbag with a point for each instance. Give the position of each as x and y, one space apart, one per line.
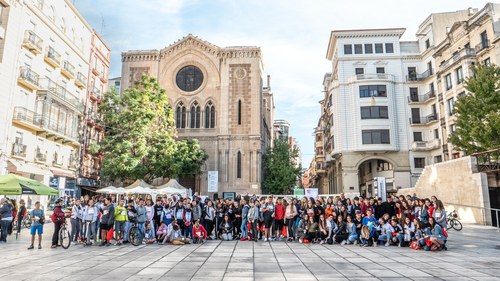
428 242
415 245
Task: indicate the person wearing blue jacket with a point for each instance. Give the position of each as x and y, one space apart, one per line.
371 222
436 236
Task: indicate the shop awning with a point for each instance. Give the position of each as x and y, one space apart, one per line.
29 168
63 173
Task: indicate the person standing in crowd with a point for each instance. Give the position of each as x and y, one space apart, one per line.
21 214
89 219
58 217
209 218
279 218
244 220
132 218
76 220
268 214
253 218
440 214
158 212
6 214
290 215
120 216
38 220
141 219
107 221
188 222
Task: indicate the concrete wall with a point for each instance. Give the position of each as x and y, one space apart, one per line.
459 186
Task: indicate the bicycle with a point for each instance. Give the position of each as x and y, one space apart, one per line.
133 235
25 222
64 236
453 222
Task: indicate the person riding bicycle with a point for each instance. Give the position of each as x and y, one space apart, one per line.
58 216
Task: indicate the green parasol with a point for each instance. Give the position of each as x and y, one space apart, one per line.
16 185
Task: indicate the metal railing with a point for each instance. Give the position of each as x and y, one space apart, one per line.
39 120
25 73
68 67
481 46
418 77
95 92
19 149
28 116
423 120
39 156
415 97
495 219
81 78
488 161
53 55
60 93
426 145
31 39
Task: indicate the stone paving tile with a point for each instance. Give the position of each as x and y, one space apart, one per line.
471 256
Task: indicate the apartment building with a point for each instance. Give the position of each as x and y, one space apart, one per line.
45 52
390 102
93 128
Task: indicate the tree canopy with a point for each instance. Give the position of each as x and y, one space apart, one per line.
478 112
140 136
280 168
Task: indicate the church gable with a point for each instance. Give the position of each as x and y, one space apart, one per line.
189 42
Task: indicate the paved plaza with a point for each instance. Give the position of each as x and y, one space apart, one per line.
474 254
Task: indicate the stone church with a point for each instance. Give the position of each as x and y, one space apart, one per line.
219 98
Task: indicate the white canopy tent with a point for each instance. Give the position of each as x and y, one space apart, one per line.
140 183
171 190
107 190
141 190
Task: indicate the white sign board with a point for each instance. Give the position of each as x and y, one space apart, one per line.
381 188
213 181
311 192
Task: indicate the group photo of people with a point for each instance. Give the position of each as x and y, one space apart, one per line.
403 221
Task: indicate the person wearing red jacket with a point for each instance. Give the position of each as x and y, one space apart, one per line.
199 233
58 219
279 217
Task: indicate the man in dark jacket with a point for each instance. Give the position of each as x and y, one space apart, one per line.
58 219
107 220
379 208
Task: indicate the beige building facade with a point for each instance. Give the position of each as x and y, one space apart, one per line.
219 98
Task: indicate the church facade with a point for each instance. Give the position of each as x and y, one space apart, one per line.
219 98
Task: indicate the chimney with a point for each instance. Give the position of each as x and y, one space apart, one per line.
269 82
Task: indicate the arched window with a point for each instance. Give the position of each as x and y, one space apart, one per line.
195 115
180 116
239 112
238 165
209 115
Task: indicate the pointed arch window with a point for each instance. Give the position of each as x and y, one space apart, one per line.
195 115
238 165
239 112
209 115
180 116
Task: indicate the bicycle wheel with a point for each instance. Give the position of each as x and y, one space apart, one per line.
133 236
456 224
64 238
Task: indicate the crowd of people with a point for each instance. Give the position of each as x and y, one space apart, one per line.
404 221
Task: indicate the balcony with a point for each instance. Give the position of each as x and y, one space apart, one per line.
103 77
422 121
426 145
28 78
482 46
415 98
319 143
19 150
80 80
442 121
95 71
44 126
52 57
68 70
95 94
416 77
372 76
57 92
57 161
445 148
464 53
32 42
73 162
39 156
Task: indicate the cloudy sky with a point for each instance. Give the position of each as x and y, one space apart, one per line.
293 36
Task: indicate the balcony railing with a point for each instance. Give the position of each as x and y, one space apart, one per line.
419 77
95 93
52 57
483 45
32 42
464 53
61 94
371 76
80 80
19 150
39 156
68 69
40 123
416 98
56 160
28 78
423 120
426 145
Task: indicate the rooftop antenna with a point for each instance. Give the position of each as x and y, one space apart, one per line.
103 26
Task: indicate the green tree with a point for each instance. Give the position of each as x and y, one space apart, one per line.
187 159
478 112
280 168
140 134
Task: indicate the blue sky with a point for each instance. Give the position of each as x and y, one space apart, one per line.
293 36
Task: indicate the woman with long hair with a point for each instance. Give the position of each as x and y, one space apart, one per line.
323 229
20 216
436 236
440 214
290 214
341 234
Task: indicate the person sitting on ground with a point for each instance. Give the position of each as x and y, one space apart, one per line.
323 229
312 231
420 234
369 236
408 232
176 237
341 234
161 233
302 227
199 233
149 237
352 237
386 230
227 228
436 236
398 232
332 227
